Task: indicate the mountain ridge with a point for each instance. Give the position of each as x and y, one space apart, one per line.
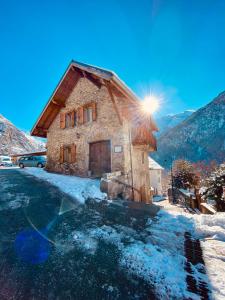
166 122
16 141
201 137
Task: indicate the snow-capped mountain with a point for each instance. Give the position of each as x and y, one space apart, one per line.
200 137
169 121
15 141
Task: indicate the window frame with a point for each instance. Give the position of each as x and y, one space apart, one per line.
88 114
71 119
67 154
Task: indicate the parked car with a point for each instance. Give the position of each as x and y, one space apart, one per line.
32 161
5 161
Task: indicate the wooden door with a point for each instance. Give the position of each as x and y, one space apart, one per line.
100 158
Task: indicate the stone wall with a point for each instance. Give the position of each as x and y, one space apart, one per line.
106 127
141 175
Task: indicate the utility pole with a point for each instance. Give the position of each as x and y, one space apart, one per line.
172 183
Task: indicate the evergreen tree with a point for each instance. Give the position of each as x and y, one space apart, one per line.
216 187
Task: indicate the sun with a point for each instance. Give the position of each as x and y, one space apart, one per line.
150 104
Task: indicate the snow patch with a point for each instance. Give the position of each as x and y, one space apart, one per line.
157 267
211 230
79 188
14 202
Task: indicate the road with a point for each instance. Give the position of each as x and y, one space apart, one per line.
47 255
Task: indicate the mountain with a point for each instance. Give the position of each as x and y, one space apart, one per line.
201 137
166 122
15 141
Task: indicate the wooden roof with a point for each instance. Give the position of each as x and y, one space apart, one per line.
141 133
74 72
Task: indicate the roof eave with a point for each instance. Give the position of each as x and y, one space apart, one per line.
50 99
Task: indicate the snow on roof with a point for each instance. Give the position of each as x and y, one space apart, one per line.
153 165
209 207
186 192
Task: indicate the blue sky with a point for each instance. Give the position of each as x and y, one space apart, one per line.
173 48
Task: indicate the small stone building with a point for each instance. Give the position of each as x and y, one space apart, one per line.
96 127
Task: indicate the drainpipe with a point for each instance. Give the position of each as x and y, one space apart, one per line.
131 164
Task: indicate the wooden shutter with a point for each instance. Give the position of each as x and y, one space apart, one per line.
81 115
73 153
61 154
94 111
72 118
85 115
62 120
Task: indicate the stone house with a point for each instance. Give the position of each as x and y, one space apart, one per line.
95 127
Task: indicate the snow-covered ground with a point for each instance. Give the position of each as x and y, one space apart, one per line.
79 188
210 229
156 253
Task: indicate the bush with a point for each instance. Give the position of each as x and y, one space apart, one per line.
184 175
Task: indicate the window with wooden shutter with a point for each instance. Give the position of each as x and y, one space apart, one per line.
88 114
68 120
67 154
62 120
94 111
73 153
80 115
61 154
74 119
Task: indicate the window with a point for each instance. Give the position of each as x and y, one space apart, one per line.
84 114
75 119
90 112
88 115
67 154
68 120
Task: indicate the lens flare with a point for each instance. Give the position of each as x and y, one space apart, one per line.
150 104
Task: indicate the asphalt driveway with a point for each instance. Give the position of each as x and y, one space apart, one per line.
46 253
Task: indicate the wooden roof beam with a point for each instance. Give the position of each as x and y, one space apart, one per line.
114 103
123 92
42 129
57 103
92 78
